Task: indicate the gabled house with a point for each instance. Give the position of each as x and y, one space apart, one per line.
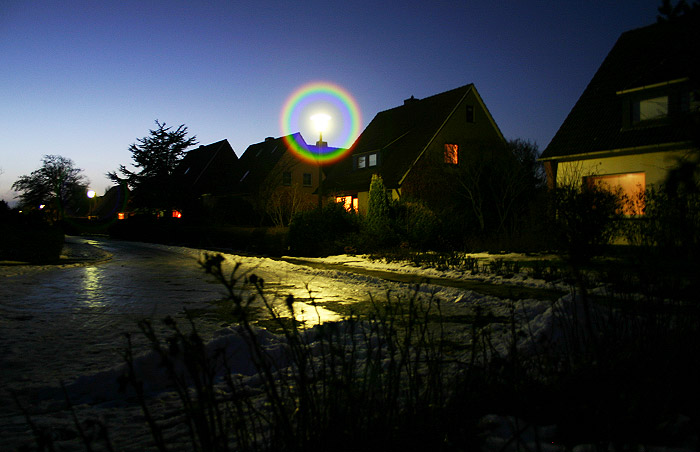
637 117
203 176
400 143
207 170
274 182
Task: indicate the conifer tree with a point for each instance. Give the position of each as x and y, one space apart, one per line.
156 156
377 221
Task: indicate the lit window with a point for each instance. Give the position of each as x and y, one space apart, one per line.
451 154
648 109
286 178
121 216
631 185
372 160
177 214
361 161
307 179
350 203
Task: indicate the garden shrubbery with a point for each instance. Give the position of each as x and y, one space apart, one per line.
393 378
28 238
323 231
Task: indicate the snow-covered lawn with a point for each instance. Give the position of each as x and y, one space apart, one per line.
96 395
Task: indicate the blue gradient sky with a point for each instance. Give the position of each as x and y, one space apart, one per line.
86 79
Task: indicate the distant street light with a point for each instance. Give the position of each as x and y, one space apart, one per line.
91 195
321 122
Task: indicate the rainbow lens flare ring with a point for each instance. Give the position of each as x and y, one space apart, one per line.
327 98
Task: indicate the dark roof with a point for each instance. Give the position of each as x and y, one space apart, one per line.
208 169
400 134
659 53
258 160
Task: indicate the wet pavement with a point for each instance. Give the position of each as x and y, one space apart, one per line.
59 322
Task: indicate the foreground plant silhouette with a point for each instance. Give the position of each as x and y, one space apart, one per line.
379 380
394 379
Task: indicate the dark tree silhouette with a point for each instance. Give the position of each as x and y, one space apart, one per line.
57 185
669 12
156 156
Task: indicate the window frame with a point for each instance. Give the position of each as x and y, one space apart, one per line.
451 154
470 114
304 180
634 192
369 160
352 206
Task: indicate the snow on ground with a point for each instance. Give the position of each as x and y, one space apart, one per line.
521 278
96 395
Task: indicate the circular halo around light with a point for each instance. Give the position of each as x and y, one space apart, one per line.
327 98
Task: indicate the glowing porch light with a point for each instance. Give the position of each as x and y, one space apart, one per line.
91 194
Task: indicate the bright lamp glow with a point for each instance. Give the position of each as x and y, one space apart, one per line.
321 121
91 194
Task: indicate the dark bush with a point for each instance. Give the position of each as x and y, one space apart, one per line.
587 219
416 224
29 238
323 232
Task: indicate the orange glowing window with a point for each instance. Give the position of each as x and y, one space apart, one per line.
177 214
632 186
350 203
121 216
451 154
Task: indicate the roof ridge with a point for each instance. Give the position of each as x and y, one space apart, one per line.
431 97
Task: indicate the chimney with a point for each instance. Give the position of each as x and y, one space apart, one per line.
269 138
411 100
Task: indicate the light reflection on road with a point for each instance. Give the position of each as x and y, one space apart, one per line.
92 293
59 322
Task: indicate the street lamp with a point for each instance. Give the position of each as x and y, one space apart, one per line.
321 122
91 195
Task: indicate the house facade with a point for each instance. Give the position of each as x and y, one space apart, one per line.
206 169
203 176
274 182
637 118
401 144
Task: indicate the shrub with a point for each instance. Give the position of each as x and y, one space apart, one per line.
671 223
416 224
377 228
28 238
322 232
587 218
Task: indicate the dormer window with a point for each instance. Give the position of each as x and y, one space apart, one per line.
372 160
367 160
656 104
649 109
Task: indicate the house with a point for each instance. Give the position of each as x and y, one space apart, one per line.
274 182
401 143
207 170
637 118
203 174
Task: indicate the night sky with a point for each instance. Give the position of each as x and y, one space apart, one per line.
86 79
